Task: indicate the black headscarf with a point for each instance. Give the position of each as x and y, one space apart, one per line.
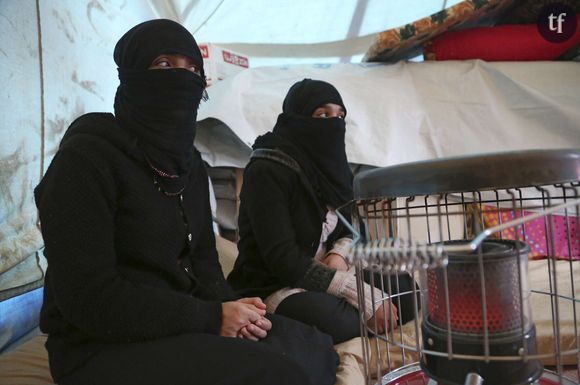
160 106
317 144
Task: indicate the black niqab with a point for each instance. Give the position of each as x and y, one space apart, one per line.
159 107
317 144
305 96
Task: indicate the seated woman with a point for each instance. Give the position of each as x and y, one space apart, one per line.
292 246
134 292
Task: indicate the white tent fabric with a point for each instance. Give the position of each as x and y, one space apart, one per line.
295 31
20 133
414 111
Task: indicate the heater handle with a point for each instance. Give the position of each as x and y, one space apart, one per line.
393 254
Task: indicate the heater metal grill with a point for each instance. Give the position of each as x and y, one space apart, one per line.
493 243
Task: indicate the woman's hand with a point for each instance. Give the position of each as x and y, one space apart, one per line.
239 314
390 322
335 261
256 301
258 329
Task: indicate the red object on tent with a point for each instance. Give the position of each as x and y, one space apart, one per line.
520 42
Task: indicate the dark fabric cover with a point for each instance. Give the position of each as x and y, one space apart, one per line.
140 45
292 354
286 195
159 107
117 248
280 223
339 319
317 144
305 96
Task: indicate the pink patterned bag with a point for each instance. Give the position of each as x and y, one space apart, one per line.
535 233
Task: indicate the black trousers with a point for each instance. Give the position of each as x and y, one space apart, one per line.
336 317
292 354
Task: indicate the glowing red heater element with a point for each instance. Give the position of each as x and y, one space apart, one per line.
466 295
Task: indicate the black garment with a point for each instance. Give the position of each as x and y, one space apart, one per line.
305 96
122 266
296 172
317 144
329 314
322 161
114 244
339 319
292 354
159 107
139 46
280 222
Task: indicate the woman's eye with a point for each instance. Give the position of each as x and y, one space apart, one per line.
322 115
163 63
195 70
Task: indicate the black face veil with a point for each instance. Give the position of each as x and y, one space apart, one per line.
317 144
159 107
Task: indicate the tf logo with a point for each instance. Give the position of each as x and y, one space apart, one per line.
557 22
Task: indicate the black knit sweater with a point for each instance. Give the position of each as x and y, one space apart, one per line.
120 265
280 223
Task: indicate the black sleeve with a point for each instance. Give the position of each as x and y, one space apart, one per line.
76 202
266 196
205 259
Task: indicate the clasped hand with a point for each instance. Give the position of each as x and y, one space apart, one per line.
245 318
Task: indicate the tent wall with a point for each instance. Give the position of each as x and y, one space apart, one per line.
55 64
21 131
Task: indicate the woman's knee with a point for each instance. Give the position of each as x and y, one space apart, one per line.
329 314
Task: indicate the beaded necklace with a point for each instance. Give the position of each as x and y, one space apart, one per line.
158 173
162 190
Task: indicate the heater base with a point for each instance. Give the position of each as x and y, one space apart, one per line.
413 375
448 371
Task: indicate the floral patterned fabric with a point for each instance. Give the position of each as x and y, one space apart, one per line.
407 41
